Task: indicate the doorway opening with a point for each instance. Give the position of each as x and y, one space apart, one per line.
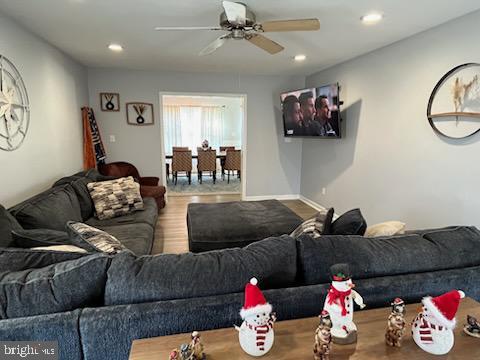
203 143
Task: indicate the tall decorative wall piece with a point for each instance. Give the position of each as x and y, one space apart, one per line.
140 113
14 107
454 106
110 101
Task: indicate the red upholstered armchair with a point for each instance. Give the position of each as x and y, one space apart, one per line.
148 185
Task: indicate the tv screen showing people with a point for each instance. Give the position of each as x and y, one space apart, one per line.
312 112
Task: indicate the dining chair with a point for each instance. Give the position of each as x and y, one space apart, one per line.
182 162
207 161
233 162
167 165
222 159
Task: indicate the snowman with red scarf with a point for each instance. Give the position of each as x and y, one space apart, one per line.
339 304
256 332
432 328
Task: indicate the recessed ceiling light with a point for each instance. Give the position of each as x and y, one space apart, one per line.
115 47
299 57
371 18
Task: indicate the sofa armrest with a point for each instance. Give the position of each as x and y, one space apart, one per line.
149 180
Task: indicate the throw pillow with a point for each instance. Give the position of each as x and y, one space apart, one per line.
92 239
350 223
56 288
315 226
39 237
64 248
7 224
115 197
388 228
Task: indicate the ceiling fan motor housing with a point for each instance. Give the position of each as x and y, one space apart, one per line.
249 21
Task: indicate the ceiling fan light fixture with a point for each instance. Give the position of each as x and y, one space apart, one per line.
115 47
299 57
371 18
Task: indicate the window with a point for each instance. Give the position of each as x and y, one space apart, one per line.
186 125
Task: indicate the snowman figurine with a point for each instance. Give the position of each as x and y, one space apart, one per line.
432 328
256 332
339 304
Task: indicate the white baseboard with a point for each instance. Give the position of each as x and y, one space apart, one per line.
315 205
271 197
311 203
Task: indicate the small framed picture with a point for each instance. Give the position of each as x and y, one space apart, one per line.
140 113
110 101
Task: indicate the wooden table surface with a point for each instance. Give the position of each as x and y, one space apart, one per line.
294 340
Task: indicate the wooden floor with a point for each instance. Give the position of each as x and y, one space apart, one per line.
171 229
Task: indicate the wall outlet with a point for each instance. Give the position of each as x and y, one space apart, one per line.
112 138
324 191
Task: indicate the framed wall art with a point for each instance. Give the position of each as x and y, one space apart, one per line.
110 101
140 113
454 106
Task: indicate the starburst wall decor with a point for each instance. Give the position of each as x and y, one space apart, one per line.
14 107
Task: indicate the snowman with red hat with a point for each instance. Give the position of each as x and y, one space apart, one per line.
432 328
256 332
339 304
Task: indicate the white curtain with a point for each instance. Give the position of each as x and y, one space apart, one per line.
212 125
190 125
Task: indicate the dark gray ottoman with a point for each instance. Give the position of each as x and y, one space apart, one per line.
237 224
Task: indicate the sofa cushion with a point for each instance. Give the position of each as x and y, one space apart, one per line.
134 279
7 224
115 197
15 259
137 238
39 237
79 184
55 288
374 257
148 215
350 223
50 209
92 239
63 327
317 225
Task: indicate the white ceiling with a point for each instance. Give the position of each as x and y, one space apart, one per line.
84 28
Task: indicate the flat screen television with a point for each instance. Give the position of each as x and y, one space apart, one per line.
312 112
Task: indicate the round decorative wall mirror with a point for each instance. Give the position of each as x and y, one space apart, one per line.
14 107
454 106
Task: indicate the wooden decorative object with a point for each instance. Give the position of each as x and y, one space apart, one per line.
110 101
140 113
454 105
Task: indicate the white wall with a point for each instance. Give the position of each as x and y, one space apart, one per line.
391 164
273 166
57 88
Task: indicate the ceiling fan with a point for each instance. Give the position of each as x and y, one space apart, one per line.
239 22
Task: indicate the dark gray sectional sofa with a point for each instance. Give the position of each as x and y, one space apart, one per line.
145 296
69 200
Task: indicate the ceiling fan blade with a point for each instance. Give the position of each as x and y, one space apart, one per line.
214 45
236 13
173 28
290 25
265 43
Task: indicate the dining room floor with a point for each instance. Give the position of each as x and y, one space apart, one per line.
207 187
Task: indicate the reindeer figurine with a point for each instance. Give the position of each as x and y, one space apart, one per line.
396 324
323 338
